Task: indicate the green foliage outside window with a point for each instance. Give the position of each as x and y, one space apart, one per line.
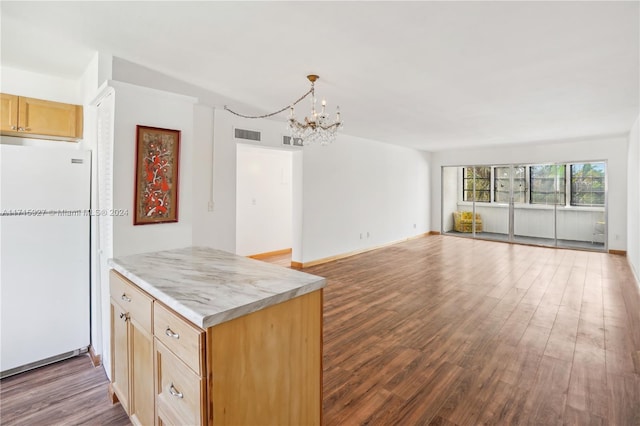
482 177
548 184
587 184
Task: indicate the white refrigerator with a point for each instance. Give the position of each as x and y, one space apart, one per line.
44 255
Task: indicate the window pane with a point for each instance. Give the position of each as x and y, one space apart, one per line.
548 184
587 184
502 185
482 177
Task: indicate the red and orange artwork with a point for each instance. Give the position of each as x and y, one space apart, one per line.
156 195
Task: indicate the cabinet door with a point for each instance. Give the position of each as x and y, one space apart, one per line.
9 112
120 354
40 117
141 370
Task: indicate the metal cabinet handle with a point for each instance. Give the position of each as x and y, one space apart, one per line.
21 129
173 391
124 316
125 297
170 333
13 127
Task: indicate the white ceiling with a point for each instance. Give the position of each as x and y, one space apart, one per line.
430 75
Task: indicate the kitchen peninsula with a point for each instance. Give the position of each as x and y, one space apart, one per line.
201 336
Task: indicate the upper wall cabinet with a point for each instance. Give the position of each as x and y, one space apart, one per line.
29 117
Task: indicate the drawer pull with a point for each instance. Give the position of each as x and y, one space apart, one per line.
170 333
125 297
173 391
124 316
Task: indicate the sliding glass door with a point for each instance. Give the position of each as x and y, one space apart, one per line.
581 222
506 192
535 218
558 205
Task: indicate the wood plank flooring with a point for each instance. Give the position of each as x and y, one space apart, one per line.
443 331
70 392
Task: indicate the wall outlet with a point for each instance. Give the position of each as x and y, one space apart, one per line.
210 206
368 234
414 226
361 235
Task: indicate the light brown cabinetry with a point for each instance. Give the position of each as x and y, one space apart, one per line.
30 117
181 337
181 393
180 388
267 365
8 113
264 367
120 354
132 350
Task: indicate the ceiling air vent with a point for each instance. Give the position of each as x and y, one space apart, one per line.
286 140
250 135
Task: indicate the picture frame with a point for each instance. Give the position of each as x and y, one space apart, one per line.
156 175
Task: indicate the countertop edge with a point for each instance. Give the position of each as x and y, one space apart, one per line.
205 322
221 317
189 314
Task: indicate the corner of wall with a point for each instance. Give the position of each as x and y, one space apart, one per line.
633 199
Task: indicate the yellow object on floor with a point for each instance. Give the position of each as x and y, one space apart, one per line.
463 222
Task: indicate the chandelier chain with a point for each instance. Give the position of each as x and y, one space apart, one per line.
273 113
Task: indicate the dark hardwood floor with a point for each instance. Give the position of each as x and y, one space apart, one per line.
70 392
440 330
444 330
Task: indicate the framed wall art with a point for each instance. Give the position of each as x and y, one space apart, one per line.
157 161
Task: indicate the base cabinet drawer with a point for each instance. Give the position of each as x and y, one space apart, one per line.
180 392
137 304
182 338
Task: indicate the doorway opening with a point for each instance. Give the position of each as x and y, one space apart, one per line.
266 202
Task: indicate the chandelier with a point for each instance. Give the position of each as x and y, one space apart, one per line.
316 128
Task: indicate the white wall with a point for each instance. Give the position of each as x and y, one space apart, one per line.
612 149
137 105
203 214
98 71
362 187
217 228
214 154
42 86
391 183
263 199
633 199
